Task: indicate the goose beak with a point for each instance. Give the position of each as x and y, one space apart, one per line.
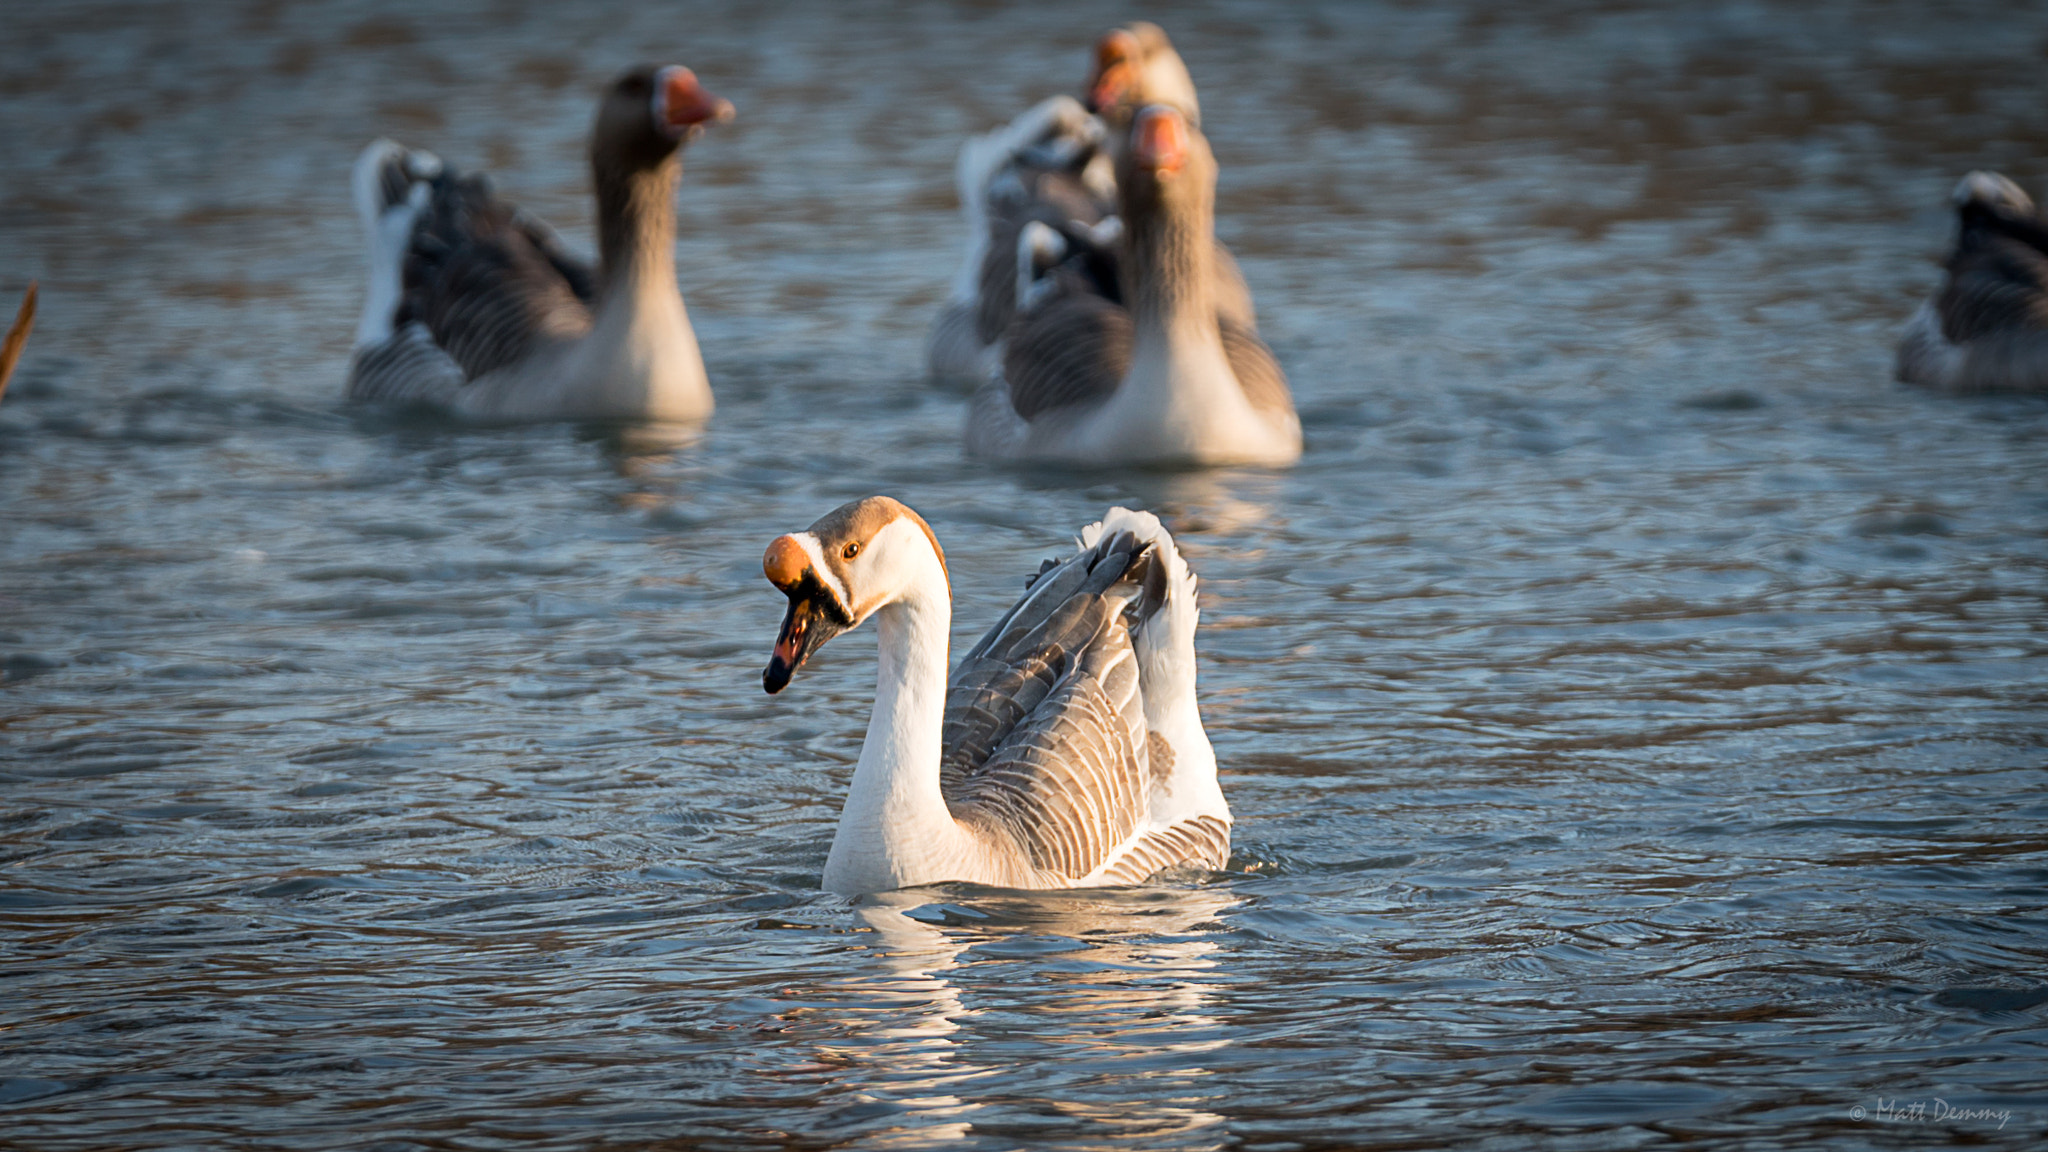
682 106
1113 56
1161 140
814 615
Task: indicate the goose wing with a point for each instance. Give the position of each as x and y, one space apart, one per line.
1060 200
1046 748
1264 384
1072 349
1999 284
491 284
1233 295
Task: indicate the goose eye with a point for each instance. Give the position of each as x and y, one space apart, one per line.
852 550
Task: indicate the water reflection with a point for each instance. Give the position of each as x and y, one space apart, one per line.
908 1047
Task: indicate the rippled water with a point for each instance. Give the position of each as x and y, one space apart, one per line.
1632 706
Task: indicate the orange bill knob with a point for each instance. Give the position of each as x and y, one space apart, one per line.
785 562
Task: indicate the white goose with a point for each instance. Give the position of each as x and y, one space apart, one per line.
1065 751
1986 330
475 308
1165 374
1049 167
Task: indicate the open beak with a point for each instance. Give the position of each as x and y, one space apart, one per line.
815 614
683 106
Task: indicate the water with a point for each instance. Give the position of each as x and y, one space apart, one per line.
1632 705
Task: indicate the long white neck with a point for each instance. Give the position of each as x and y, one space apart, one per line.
896 830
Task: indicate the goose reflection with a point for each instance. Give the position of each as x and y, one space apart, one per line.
926 1033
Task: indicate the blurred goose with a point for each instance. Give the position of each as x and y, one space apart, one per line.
1065 750
1050 167
1165 376
1986 330
1047 166
1136 66
475 308
17 336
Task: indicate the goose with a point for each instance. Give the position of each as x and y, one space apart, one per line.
1065 750
1163 378
1136 65
1986 330
17 337
1046 166
1050 166
475 308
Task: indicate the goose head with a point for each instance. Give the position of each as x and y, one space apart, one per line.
855 561
650 111
1991 192
1134 66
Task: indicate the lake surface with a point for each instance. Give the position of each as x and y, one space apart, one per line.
1632 706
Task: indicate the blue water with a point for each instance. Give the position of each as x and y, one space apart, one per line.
1632 706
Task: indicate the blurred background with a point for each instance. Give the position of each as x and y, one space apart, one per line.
1632 705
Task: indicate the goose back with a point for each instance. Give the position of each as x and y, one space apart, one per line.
1047 752
1073 349
1986 330
491 284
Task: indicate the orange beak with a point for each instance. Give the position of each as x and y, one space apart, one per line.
1160 140
686 105
1113 69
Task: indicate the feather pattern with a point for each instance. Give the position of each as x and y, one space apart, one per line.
490 286
1047 749
1074 349
1986 329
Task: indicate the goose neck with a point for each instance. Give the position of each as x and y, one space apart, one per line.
896 828
1169 260
636 223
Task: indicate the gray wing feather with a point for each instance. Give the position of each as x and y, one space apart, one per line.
1046 746
1067 783
1203 841
490 284
1056 198
1073 349
407 369
2000 286
1233 295
1264 384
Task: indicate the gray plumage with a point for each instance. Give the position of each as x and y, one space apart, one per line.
1986 330
1045 741
1075 348
484 285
